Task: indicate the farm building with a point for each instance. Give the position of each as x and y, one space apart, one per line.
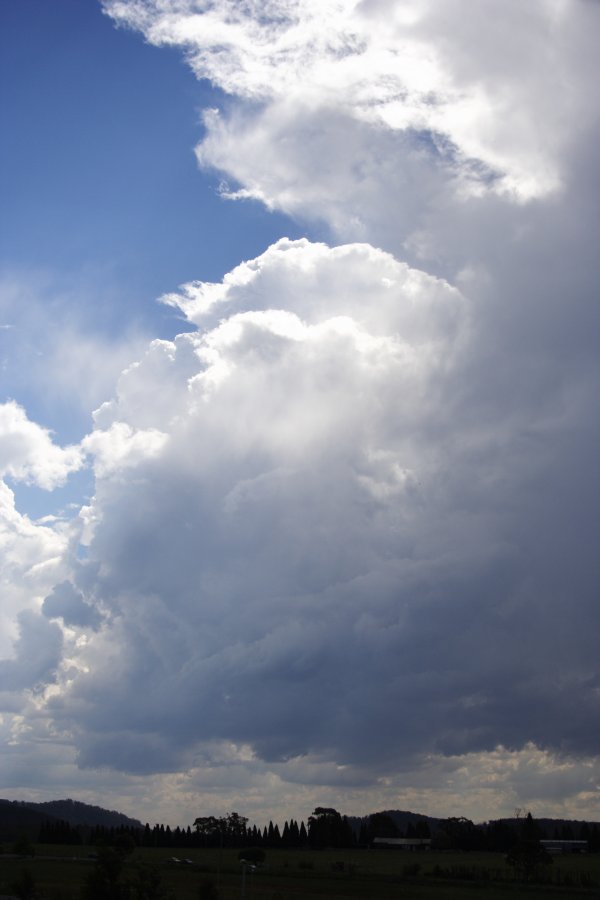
557 846
410 844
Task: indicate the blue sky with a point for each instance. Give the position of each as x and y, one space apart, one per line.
298 421
98 166
104 205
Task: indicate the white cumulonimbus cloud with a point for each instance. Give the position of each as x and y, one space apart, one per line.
32 557
28 453
344 527
32 554
325 543
233 556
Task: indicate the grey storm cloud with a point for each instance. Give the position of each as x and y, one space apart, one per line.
343 544
37 655
67 603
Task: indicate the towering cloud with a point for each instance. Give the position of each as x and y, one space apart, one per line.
256 539
343 526
303 524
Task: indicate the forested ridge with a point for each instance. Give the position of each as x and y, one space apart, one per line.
71 822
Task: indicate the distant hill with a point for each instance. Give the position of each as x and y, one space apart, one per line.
76 813
24 817
16 819
548 827
400 817
552 827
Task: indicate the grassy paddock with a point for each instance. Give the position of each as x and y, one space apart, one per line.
59 874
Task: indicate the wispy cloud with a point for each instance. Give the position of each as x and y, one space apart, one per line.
489 92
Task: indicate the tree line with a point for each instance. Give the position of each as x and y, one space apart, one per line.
326 827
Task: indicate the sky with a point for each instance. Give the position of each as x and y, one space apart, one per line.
299 428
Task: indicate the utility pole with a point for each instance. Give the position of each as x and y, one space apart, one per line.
245 865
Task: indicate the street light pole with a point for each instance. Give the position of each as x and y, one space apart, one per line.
243 879
245 864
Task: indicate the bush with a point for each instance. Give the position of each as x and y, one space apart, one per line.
254 855
208 890
23 846
148 884
411 869
24 886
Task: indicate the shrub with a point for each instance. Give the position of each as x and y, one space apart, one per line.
255 855
411 869
24 886
23 846
208 890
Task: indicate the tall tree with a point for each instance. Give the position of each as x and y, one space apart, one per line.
327 828
528 856
209 830
381 825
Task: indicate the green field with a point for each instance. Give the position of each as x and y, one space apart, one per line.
59 874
